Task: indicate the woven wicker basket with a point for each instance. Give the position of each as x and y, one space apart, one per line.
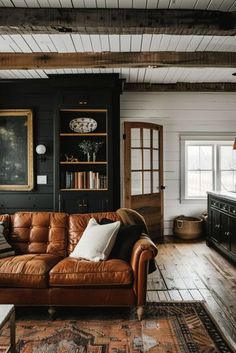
188 227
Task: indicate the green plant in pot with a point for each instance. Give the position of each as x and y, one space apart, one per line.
96 147
90 149
86 147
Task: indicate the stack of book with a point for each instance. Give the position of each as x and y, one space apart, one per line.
85 180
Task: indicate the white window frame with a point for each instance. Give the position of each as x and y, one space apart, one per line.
204 139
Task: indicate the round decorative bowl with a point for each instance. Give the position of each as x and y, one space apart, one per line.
83 125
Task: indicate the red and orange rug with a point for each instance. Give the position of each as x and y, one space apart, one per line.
166 328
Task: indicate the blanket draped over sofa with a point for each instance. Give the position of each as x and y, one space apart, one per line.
42 273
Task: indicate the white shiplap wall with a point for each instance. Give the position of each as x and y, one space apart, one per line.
180 113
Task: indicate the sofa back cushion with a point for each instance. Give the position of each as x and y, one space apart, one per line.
78 223
39 233
5 219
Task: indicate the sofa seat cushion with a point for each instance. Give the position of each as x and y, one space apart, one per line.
78 272
28 271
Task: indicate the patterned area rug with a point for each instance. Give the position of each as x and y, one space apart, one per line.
166 328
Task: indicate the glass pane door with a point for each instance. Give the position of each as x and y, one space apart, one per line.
143 173
145 151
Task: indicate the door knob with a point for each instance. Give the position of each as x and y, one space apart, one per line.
162 187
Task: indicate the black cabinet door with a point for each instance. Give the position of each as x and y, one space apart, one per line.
225 232
83 204
215 222
232 230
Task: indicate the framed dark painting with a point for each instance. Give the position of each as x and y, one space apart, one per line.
16 150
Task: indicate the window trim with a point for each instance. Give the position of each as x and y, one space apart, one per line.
210 139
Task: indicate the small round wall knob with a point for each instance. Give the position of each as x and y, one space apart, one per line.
40 149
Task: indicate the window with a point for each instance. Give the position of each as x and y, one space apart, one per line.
227 169
206 164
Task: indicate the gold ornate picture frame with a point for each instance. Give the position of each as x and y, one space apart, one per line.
16 150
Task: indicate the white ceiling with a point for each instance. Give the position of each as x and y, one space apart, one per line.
221 5
133 75
69 43
64 43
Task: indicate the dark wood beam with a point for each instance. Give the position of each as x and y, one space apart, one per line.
10 61
116 21
181 87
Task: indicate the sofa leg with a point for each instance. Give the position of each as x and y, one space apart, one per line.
51 312
140 311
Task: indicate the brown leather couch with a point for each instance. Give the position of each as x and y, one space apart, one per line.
42 273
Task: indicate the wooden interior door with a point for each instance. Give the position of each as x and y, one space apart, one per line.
143 173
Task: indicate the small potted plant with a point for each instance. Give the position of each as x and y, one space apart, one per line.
96 147
86 146
90 148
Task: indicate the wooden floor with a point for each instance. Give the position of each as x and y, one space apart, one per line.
193 271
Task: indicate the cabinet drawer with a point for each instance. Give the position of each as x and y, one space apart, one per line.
83 100
224 206
214 203
85 205
78 99
232 210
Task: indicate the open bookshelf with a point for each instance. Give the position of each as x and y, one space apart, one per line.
83 150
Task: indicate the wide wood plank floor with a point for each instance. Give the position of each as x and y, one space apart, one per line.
193 271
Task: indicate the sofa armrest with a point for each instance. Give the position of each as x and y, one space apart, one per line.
143 251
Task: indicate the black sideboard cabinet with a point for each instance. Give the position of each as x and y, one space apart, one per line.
59 104
222 224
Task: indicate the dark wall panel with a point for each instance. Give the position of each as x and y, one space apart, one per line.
45 97
20 95
10 203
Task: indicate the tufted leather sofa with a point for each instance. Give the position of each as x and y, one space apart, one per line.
41 273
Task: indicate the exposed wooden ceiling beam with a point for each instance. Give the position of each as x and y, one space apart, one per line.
181 87
18 61
119 21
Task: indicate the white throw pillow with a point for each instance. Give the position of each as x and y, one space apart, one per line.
97 241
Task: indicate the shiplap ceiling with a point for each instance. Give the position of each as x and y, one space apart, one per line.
64 43
221 5
98 43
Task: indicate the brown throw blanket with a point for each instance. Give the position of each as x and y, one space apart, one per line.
129 216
